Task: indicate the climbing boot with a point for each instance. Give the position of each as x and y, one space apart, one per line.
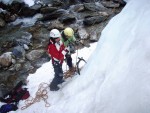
70 72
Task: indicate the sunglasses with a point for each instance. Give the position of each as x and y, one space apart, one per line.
55 37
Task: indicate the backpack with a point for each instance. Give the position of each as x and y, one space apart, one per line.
8 107
18 93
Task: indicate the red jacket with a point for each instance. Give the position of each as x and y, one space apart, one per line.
56 51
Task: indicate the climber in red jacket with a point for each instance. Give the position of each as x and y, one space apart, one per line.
56 50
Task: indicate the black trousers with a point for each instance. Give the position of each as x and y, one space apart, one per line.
69 60
58 77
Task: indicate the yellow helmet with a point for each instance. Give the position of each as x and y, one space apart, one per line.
69 32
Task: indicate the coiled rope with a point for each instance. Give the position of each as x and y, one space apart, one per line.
40 94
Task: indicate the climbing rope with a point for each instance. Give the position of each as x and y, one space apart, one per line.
40 94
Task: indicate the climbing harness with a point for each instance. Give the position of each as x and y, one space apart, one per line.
40 94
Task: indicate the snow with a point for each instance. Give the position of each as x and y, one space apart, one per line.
29 2
116 78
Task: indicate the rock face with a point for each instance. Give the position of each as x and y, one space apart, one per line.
23 49
2 22
34 54
6 59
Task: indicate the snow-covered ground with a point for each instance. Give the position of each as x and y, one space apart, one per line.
45 74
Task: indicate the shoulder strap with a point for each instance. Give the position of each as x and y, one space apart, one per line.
64 37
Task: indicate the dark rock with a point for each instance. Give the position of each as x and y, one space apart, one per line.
3 6
77 8
54 15
93 36
2 22
88 1
57 3
94 7
26 68
16 67
110 4
82 33
3 90
15 7
94 20
55 25
7 44
10 80
39 62
40 37
36 7
67 19
71 2
34 54
5 59
18 52
27 11
2 15
10 17
26 39
4 75
43 2
46 10
121 2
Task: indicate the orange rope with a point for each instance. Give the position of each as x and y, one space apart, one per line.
40 94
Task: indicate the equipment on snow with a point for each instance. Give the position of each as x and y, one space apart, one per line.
16 94
8 107
40 94
77 64
72 71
